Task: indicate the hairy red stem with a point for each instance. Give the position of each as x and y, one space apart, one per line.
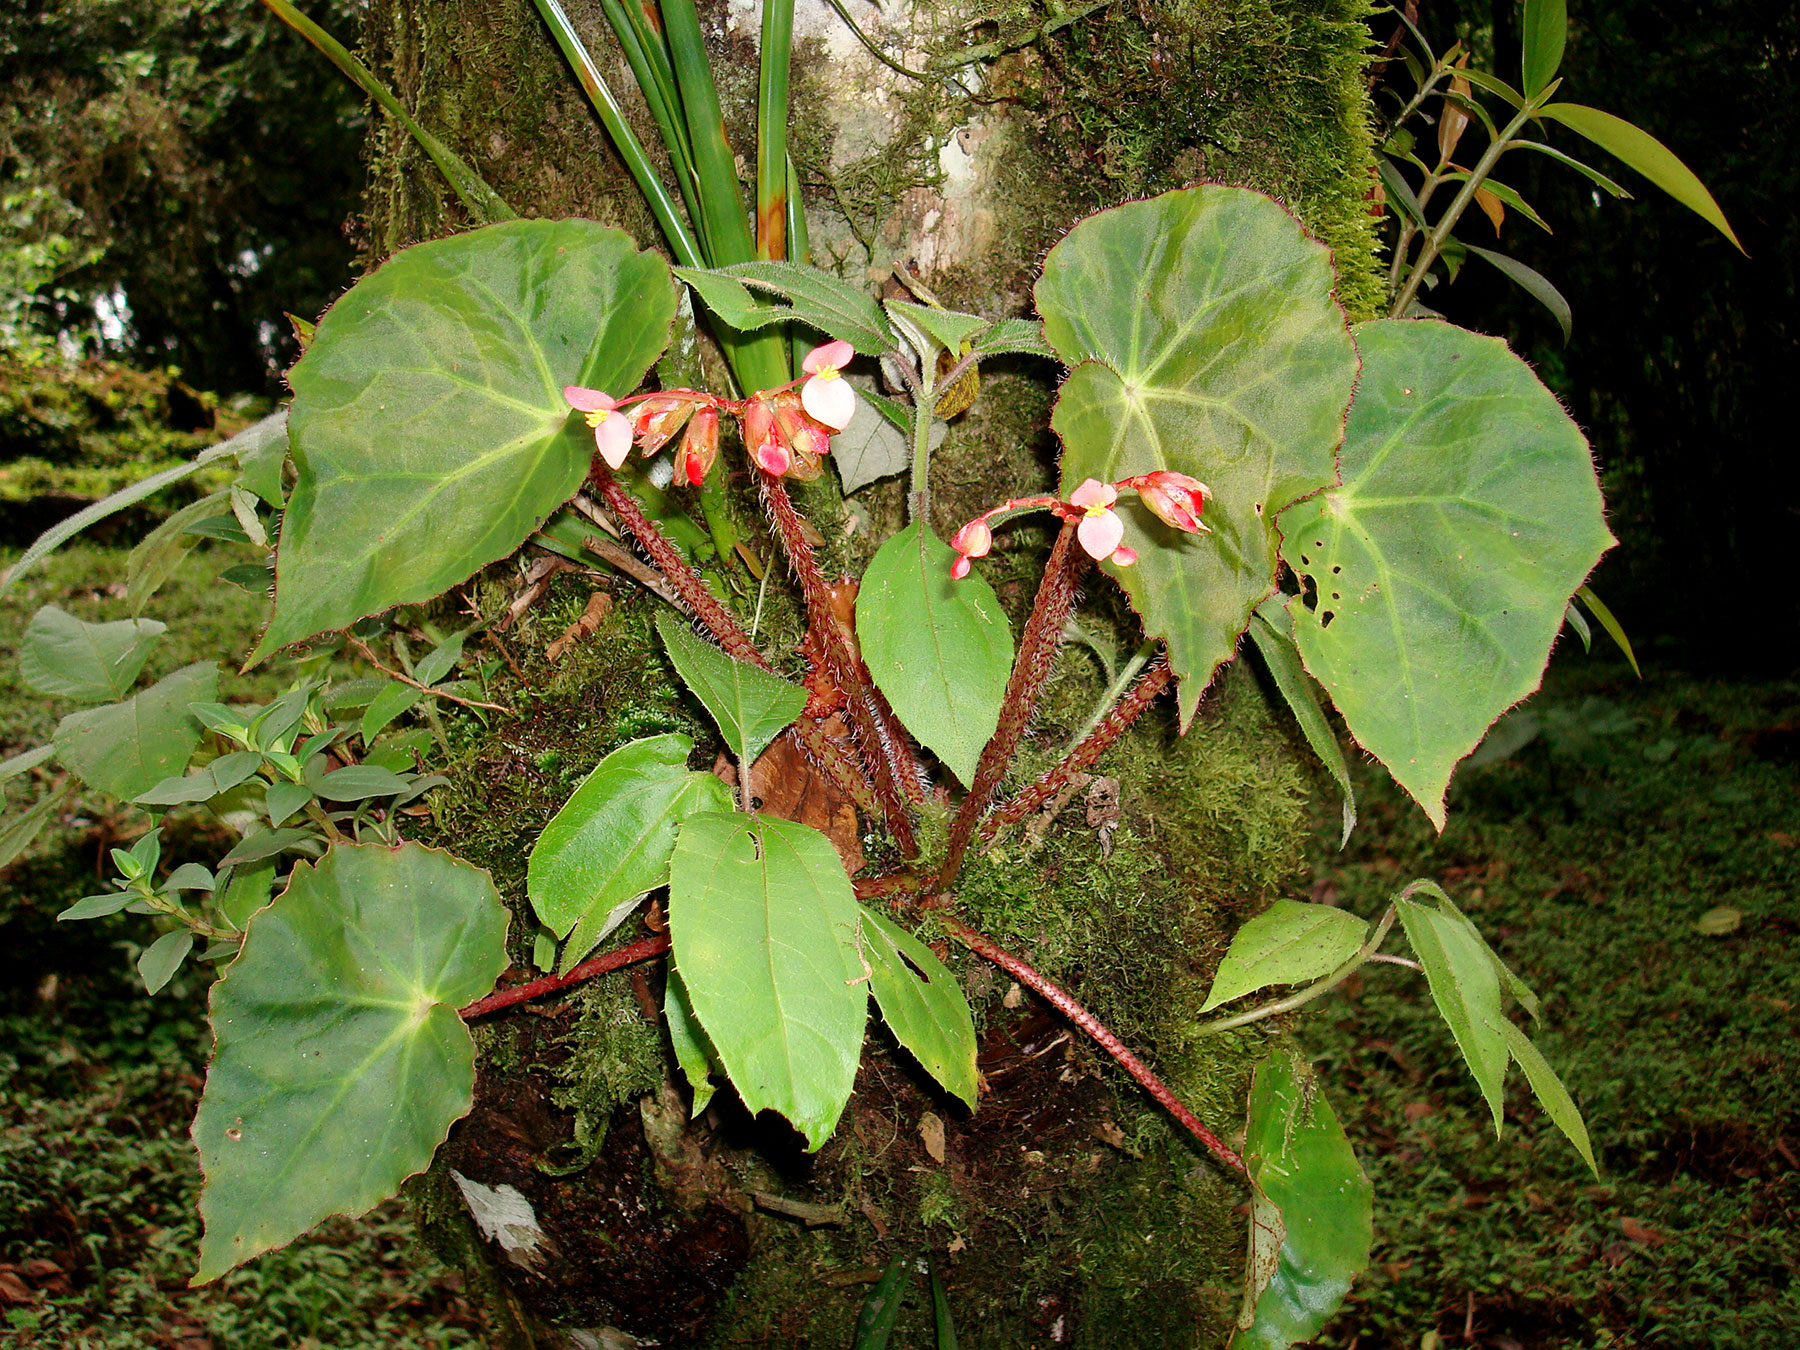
895 885
1065 1004
549 984
688 583
841 664
1037 650
1114 725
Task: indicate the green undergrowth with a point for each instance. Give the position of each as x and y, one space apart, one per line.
1638 862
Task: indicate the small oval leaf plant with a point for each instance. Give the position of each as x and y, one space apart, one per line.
1397 513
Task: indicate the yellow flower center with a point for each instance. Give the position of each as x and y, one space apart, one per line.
1097 509
826 373
599 415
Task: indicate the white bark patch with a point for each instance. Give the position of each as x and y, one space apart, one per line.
505 1217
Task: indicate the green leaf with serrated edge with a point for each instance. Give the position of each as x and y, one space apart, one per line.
751 706
283 799
948 328
340 1060
222 775
693 1054
881 1309
162 958
1312 1208
764 928
16 834
921 1003
429 430
1509 982
1647 155
97 906
610 843
817 299
1466 989
1288 943
66 657
261 451
395 699
129 747
1550 1092
1272 629
155 557
1024 337
940 650
25 761
1546 28
1225 358
359 782
1614 629
1468 514
1534 284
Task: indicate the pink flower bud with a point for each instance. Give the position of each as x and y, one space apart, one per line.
762 438
699 447
655 420
974 539
1175 498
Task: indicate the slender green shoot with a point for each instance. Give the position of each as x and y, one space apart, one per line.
649 61
772 168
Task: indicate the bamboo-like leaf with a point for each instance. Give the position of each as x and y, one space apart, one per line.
1550 1092
1647 155
1614 629
1466 989
1534 284
1546 30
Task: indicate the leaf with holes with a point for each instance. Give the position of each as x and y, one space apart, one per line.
610 843
67 657
1290 942
340 1061
921 1003
1468 515
1311 1224
129 747
429 431
764 927
940 650
1225 357
751 706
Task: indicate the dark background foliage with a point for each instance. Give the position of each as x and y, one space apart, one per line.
191 156
1682 346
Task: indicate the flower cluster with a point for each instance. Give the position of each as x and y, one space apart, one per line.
1175 498
787 432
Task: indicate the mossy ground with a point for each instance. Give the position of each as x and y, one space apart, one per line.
1589 858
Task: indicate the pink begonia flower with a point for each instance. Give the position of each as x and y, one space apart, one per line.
826 395
973 540
1101 531
612 430
1175 498
763 438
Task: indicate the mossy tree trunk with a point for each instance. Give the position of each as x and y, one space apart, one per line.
1065 1209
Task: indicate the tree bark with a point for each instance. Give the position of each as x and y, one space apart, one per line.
1065 1209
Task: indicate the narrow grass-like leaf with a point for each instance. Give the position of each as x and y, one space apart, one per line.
764 926
921 1003
67 657
751 706
1594 175
1550 1092
940 650
881 1310
340 1061
1272 629
16 834
1614 629
1535 284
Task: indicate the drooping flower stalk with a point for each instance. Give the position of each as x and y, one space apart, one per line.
886 770
1065 1004
1037 650
1114 725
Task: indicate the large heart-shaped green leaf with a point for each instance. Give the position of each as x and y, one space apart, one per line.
940 649
429 431
68 657
340 1060
1468 515
1205 339
765 928
1311 1224
127 748
612 839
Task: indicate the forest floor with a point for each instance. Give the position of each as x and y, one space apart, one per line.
1635 860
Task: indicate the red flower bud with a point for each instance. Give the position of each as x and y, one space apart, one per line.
1175 498
699 447
657 419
